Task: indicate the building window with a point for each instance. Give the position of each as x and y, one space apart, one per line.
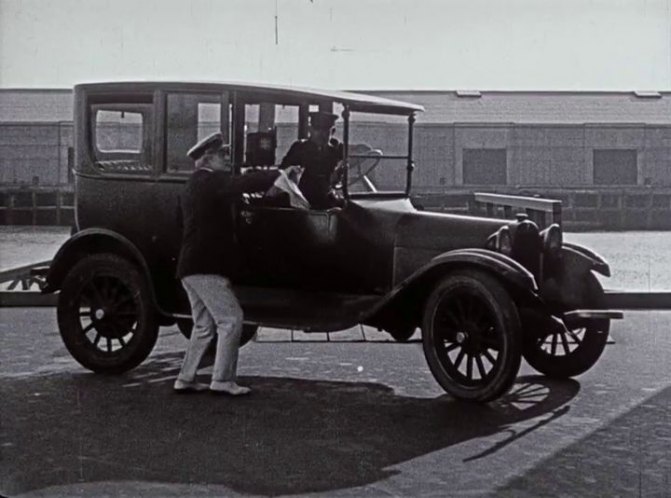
485 167
615 166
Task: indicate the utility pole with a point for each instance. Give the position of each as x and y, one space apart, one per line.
277 39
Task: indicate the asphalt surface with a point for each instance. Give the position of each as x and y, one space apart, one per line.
336 418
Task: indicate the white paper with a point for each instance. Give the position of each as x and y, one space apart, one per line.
284 184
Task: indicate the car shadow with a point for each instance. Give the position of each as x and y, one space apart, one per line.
291 436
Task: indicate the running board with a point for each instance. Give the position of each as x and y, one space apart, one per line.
596 314
310 311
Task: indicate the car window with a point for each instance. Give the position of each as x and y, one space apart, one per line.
121 141
119 131
189 118
269 129
378 149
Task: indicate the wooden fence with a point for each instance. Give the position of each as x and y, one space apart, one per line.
624 208
37 206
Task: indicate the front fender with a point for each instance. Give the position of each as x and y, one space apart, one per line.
502 266
406 300
589 257
565 282
91 241
505 267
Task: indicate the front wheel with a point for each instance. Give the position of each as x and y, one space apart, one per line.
563 354
106 315
471 336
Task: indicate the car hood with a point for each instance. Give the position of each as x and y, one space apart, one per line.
444 232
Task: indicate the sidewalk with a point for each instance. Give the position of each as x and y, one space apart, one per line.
640 261
21 245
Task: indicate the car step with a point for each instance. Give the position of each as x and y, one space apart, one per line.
599 314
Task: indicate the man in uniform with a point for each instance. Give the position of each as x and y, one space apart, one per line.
210 258
320 156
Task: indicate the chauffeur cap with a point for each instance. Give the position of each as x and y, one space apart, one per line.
322 120
210 143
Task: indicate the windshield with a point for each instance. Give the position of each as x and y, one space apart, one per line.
378 152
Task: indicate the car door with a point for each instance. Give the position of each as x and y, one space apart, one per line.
287 247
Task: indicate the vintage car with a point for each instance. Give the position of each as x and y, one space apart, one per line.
485 292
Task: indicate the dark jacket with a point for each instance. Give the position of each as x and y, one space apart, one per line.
208 204
319 164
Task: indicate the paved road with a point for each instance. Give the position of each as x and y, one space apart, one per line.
347 419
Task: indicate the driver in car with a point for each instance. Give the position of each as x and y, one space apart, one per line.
319 155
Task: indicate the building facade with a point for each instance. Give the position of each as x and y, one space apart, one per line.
604 154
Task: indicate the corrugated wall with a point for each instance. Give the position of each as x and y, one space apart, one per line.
34 153
537 155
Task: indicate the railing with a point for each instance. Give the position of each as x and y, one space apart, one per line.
37 206
542 211
603 208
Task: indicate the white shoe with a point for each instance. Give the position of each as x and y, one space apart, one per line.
182 386
229 387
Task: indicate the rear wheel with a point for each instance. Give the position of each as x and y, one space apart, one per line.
472 336
105 314
563 354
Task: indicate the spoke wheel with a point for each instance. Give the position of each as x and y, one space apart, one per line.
185 326
105 314
561 354
471 336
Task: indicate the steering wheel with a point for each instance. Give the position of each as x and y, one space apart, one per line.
363 166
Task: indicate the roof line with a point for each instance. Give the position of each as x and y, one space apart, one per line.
37 90
409 91
522 92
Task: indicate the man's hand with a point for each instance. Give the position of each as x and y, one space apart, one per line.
338 172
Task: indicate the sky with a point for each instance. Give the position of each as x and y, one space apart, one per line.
344 44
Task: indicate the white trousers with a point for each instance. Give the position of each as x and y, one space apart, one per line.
214 308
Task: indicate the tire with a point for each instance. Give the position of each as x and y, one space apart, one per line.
106 315
185 326
560 355
470 315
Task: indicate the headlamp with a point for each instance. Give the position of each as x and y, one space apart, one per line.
552 239
501 241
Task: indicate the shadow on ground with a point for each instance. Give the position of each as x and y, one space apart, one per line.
631 456
291 436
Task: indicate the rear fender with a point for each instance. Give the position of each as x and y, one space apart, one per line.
93 241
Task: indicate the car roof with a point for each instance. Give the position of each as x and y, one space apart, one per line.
280 94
